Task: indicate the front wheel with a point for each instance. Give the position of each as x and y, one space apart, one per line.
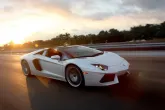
74 76
25 68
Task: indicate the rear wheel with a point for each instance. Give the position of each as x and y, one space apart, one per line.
25 68
74 76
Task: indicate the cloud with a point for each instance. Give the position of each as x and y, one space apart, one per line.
92 9
146 4
102 9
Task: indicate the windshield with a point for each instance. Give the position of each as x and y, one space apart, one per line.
82 51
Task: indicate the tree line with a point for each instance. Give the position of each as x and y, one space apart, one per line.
145 32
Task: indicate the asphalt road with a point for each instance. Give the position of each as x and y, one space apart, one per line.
144 89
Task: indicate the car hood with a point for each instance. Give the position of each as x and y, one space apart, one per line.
108 58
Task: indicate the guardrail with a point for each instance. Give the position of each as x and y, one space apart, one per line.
127 43
126 46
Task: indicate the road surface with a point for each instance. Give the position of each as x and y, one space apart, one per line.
145 91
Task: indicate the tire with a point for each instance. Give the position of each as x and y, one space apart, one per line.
74 76
25 68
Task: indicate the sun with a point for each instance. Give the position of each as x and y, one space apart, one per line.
19 30
18 41
15 35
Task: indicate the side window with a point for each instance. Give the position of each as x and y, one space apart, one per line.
40 53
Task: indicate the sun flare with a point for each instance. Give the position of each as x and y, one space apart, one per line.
19 30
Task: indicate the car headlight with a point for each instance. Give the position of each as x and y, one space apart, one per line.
100 66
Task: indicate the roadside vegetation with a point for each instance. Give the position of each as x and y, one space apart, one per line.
148 32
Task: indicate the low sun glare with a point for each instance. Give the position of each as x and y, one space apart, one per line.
18 30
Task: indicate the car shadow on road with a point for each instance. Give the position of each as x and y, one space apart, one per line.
48 94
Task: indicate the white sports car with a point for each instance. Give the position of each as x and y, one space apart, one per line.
77 65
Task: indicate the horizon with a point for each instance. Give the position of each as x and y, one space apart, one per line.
23 21
1 45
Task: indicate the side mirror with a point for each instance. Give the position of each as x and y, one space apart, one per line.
56 57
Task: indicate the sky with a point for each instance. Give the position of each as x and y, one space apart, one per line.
29 20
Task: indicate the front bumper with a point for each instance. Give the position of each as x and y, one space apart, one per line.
94 79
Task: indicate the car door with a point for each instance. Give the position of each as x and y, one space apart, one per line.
52 67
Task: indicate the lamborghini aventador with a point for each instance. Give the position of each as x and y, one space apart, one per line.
77 65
